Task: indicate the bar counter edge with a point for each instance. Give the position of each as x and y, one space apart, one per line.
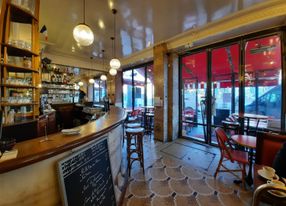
31 178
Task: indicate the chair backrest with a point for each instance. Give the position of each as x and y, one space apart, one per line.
267 146
223 142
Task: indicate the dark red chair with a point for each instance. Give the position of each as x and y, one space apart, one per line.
229 154
267 146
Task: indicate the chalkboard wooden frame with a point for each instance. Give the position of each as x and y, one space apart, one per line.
72 190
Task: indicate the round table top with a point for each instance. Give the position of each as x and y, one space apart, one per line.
245 140
251 116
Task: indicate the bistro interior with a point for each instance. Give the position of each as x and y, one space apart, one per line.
146 103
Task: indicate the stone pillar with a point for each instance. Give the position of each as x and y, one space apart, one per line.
173 96
161 89
114 88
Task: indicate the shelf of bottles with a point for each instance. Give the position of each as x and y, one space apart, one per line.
57 85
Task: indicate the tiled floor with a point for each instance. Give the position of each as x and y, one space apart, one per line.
181 173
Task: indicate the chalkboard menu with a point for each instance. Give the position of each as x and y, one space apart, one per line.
85 177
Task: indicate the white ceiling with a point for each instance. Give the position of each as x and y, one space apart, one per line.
140 23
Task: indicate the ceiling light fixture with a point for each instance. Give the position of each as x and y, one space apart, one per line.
91 81
114 63
80 83
103 77
82 32
112 72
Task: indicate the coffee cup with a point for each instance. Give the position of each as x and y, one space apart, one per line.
275 183
269 171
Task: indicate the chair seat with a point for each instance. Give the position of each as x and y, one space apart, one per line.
239 156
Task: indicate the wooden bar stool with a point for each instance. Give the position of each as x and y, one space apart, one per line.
131 125
135 146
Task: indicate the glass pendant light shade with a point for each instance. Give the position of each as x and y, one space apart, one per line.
91 81
80 84
112 72
114 63
83 34
103 77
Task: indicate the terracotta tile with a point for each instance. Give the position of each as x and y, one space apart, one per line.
218 185
163 201
231 199
140 188
158 173
161 187
135 201
209 200
200 186
158 163
175 173
181 187
186 200
191 173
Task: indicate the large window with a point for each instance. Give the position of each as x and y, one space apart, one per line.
99 91
138 87
263 77
220 81
127 89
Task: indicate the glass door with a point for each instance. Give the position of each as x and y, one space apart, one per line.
194 87
150 86
262 93
139 87
127 90
224 84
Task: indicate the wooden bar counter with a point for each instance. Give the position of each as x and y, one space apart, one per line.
31 178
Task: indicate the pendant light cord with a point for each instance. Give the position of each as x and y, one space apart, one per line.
114 11
84 11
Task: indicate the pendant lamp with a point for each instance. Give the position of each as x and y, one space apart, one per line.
103 77
82 32
114 63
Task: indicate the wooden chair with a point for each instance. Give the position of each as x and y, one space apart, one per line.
262 190
229 154
267 146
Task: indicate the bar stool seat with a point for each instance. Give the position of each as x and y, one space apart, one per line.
133 125
135 147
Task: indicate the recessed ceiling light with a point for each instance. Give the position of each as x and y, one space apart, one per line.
111 4
101 24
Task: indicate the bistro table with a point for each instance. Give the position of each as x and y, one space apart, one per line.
248 116
249 142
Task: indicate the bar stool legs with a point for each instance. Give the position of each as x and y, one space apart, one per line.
135 147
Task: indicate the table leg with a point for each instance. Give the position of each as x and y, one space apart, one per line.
249 178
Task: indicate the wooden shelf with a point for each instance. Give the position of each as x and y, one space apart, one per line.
17 104
58 83
19 122
17 51
21 15
15 68
18 86
27 114
57 88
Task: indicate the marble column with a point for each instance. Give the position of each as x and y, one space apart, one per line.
161 92
173 96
